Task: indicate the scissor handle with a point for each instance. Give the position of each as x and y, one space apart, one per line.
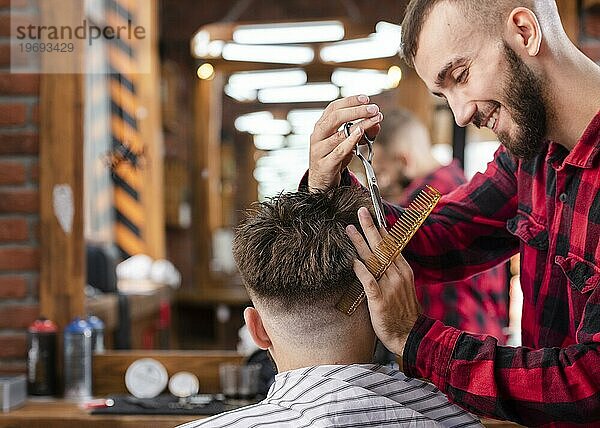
368 140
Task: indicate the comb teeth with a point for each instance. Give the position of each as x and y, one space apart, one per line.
352 298
391 245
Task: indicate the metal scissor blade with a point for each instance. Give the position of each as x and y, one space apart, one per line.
375 195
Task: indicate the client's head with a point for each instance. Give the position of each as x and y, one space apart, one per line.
296 261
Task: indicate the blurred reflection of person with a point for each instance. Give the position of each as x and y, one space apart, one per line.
404 164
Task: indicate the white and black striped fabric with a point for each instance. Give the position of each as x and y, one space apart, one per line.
357 395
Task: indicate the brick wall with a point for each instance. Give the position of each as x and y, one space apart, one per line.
590 32
19 202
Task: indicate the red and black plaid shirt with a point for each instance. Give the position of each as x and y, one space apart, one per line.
478 304
548 209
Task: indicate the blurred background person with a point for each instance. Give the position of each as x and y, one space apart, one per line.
404 164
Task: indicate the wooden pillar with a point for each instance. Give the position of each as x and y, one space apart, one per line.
206 173
150 127
413 95
62 269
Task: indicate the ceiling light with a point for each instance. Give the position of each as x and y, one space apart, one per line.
377 45
269 142
206 71
394 76
245 122
358 89
262 123
298 141
303 120
200 43
295 94
290 32
240 93
389 29
352 77
215 48
268 78
269 54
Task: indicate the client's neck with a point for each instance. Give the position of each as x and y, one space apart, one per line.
289 356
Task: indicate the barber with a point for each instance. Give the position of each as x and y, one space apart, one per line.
507 65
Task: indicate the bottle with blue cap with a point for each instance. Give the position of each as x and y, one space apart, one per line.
78 360
97 333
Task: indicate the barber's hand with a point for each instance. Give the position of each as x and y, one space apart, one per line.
330 150
392 300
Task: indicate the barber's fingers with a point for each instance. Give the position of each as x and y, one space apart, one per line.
369 228
343 149
368 281
327 135
362 248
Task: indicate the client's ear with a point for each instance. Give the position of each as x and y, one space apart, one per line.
257 329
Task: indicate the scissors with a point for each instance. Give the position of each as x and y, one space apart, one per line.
371 179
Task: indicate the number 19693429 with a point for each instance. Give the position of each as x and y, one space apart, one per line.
38 47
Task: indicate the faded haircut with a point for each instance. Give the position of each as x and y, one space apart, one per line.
489 15
292 251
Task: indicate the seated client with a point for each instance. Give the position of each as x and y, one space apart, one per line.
296 261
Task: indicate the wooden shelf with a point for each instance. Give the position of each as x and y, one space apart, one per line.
235 295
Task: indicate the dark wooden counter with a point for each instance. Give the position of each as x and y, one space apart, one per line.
64 414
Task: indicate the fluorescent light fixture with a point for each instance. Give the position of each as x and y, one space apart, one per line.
262 123
356 77
268 54
244 123
303 120
289 32
268 78
368 82
385 42
389 29
358 89
298 116
378 45
215 48
200 43
269 142
239 93
298 140
314 92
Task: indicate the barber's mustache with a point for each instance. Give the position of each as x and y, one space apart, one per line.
479 117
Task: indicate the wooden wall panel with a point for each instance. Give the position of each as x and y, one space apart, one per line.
150 126
62 267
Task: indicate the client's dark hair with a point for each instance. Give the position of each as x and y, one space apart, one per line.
292 250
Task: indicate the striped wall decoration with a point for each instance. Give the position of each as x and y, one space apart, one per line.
127 146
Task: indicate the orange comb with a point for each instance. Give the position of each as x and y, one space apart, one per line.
392 244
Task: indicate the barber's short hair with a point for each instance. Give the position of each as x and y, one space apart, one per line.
487 14
292 251
397 120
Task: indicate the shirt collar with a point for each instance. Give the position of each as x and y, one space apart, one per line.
585 152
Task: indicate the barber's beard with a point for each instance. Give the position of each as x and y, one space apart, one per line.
524 97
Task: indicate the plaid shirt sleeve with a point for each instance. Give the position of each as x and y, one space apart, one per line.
504 382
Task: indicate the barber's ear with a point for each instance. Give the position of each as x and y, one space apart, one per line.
257 329
524 31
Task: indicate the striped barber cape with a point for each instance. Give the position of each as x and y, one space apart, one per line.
357 395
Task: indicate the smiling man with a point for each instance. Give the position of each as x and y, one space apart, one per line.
507 65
